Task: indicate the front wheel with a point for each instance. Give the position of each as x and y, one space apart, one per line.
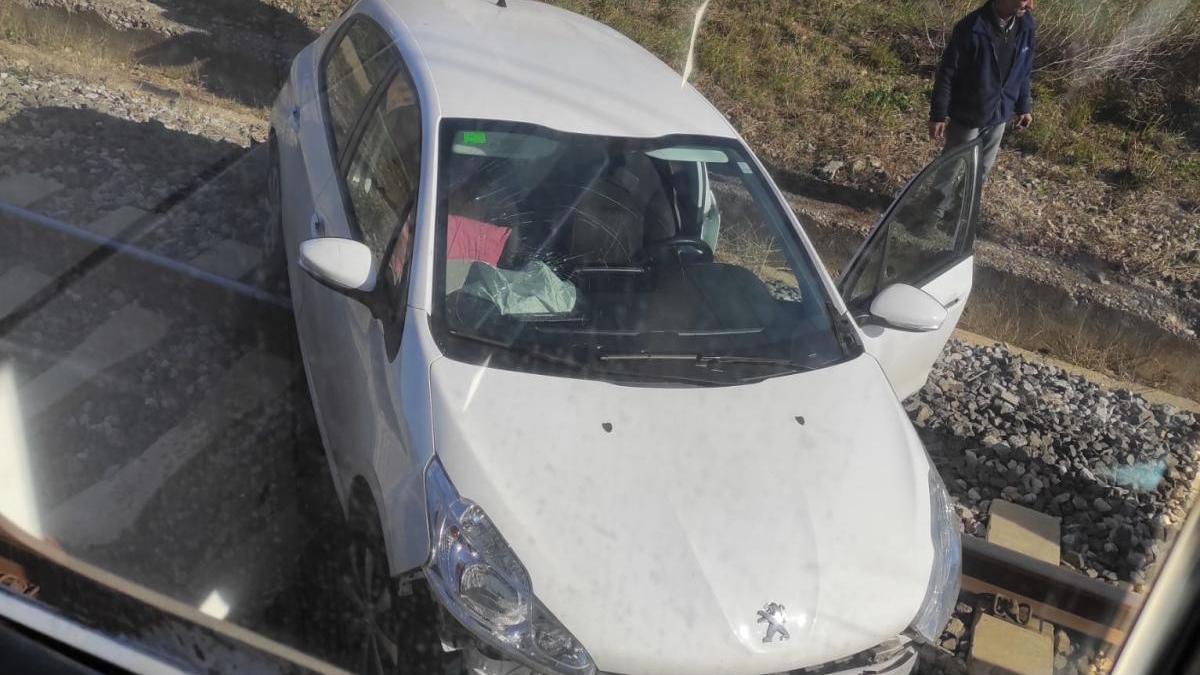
382 632
372 602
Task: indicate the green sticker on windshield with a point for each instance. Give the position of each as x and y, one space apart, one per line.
474 137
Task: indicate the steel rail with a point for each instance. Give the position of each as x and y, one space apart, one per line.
1057 594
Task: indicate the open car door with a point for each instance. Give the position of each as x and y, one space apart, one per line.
925 241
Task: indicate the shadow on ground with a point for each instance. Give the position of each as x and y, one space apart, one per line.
241 50
167 423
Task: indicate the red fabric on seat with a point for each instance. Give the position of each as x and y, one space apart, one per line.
469 239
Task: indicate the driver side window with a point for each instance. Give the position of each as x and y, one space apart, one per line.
926 232
382 176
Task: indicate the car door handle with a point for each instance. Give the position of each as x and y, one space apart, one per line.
952 302
317 226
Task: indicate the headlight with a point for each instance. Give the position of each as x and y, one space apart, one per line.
942 592
476 576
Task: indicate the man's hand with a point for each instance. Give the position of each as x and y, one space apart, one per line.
1023 121
937 130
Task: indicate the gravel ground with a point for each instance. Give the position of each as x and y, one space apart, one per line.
119 144
1117 470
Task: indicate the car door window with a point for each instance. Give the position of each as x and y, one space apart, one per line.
357 61
928 230
381 178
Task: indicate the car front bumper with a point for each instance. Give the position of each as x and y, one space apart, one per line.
901 663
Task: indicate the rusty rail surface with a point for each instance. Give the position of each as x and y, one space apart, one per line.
1057 594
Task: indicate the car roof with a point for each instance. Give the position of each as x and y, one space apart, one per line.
532 62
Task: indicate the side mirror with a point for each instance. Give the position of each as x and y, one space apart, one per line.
908 308
344 265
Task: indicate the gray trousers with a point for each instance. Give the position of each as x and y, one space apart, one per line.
957 135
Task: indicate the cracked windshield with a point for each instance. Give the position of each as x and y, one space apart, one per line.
730 337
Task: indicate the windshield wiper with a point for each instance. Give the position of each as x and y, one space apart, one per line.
580 366
754 360
541 356
707 359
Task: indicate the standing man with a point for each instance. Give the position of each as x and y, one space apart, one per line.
983 80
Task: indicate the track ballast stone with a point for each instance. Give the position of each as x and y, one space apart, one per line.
1117 469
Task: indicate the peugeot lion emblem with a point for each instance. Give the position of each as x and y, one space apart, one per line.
774 616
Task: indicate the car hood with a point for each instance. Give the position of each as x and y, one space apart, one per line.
656 522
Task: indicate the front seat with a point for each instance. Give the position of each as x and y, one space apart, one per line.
606 228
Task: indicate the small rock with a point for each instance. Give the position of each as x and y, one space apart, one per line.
923 415
1062 642
829 171
956 627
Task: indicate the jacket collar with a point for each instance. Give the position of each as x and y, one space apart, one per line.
983 19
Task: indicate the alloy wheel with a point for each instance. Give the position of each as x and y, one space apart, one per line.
371 601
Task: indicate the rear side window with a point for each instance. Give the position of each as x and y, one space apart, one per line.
357 60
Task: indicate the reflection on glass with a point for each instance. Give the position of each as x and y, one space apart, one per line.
18 491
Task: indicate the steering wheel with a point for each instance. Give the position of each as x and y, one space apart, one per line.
678 249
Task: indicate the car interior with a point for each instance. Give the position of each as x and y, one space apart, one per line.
625 246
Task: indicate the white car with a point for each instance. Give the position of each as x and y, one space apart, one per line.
579 369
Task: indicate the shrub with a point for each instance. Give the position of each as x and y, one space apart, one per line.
888 99
1079 112
884 59
1081 43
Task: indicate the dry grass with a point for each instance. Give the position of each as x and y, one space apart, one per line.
87 51
83 46
1086 336
194 104
1117 100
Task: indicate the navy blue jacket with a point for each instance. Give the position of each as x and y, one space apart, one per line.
968 88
